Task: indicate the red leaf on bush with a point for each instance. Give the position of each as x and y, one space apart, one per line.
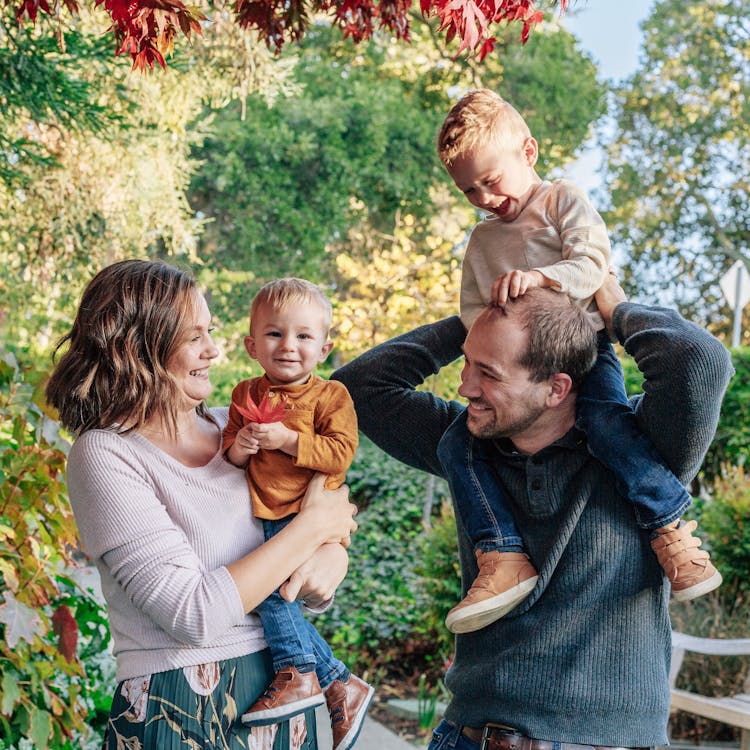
263 414
65 628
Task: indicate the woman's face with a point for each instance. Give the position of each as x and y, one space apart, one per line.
190 363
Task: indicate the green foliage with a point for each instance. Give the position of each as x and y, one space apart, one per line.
725 519
103 162
731 444
554 85
375 616
440 579
293 177
44 697
633 376
46 85
678 156
332 169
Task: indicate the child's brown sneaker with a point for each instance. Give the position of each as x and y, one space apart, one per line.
688 568
505 579
347 703
290 693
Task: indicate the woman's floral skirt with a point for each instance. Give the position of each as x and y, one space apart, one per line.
199 708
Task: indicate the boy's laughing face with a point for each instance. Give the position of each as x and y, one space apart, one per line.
498 179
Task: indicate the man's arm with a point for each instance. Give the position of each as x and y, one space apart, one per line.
404 422
686 372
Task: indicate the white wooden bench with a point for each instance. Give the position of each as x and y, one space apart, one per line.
734 710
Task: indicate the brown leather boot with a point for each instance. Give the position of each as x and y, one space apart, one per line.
688 568
290 693
505 579
347 703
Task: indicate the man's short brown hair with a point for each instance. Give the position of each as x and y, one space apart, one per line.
561 337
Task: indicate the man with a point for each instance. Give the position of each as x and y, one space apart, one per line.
584 660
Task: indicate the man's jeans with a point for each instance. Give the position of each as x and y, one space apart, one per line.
447 736
292 640
614 438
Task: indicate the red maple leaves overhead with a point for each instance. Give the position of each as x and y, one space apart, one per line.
146 29
470 21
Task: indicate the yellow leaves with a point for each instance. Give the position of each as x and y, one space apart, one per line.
396 281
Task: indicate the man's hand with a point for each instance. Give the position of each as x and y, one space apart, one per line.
610 295
515 283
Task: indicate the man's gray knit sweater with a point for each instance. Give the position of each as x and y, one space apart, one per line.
585 658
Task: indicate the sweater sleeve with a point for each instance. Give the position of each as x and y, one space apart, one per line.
686 372
123 523
585 243
332 445
403 421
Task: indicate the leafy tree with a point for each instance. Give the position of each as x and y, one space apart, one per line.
678 158
293 177
147 31
40 83
96 162
393 283
45 694
333 182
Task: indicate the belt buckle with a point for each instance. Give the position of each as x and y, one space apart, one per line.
488 729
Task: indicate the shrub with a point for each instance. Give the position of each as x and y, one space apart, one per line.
726 522
45 694
731 444
375 616
440 580
725 528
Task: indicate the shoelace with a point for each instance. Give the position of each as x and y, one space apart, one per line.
337 714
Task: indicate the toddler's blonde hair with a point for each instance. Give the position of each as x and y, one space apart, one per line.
478 118
281 293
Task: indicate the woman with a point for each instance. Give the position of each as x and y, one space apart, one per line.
168 523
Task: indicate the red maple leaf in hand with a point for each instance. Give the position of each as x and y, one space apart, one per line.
263 414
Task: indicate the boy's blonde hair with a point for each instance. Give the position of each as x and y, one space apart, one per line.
281 293
479 117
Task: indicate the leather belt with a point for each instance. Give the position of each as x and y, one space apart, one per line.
501 737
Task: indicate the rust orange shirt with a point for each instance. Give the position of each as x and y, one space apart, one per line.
322 413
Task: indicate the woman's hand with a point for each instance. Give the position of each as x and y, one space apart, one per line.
316 580
328 513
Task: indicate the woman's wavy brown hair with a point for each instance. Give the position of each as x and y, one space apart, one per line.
131 319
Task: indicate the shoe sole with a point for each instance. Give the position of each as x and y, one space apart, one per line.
351 736
281 713
479 615
693 592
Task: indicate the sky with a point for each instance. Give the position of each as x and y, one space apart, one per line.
609 31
